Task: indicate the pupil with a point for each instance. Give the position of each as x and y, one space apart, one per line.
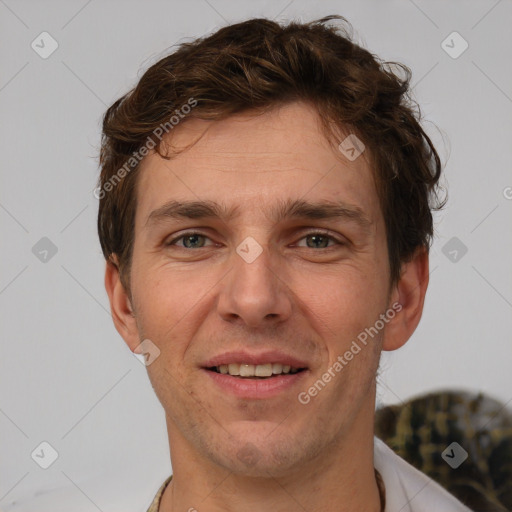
316 238
194 239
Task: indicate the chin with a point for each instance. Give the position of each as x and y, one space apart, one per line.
259 457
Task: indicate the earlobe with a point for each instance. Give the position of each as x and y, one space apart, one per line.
120 306
409 292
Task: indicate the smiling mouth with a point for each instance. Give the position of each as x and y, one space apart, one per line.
255 371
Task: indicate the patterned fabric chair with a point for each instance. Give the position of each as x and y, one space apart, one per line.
421 429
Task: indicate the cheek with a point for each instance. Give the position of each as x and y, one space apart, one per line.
159 285
171 305
162 300
342 303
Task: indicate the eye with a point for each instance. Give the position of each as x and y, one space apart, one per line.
191 240
319 240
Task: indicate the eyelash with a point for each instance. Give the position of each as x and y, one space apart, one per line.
321 233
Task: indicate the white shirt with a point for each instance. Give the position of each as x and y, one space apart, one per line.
410 490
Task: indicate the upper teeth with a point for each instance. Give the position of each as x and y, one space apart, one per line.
255 370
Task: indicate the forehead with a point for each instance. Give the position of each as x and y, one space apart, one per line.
252 161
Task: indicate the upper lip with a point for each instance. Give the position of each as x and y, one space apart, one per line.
244 357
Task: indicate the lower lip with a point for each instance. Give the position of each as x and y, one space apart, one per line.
256 388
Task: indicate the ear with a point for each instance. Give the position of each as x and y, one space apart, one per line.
120 306
409 292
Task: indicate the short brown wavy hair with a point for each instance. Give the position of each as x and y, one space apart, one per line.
259 64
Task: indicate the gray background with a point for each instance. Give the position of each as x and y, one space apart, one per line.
67 377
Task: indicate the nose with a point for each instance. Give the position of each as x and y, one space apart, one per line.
255 293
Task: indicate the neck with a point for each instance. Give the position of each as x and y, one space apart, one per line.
341 478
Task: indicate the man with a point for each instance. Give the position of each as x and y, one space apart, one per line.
265 213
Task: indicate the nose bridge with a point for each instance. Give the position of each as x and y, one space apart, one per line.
254 291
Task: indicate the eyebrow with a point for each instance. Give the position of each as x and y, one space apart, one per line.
290 209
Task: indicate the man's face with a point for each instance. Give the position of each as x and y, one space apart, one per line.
212 298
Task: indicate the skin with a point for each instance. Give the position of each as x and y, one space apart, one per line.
309 301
